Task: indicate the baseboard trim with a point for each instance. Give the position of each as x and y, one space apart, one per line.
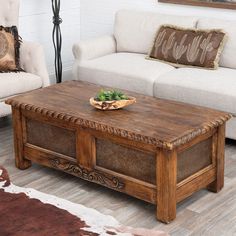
66 75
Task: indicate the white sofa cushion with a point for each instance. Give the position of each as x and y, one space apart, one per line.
123 70
9 12
228 56
93 48
135 31
32 60
15 83
5 109
214 89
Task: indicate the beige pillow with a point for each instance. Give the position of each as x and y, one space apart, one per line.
9 49
188 47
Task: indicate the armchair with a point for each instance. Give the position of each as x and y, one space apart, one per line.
31 60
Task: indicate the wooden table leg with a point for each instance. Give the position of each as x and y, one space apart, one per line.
218 184
166 185
20 161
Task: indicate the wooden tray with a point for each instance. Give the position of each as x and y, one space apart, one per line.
112 105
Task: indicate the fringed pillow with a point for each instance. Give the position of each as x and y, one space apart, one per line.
188 47
9 49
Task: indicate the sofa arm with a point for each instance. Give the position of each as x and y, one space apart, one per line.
90 49
32 60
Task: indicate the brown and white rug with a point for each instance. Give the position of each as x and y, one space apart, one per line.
27 212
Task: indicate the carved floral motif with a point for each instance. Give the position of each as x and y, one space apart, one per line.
90 175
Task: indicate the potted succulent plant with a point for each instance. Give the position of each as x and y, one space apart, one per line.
111 100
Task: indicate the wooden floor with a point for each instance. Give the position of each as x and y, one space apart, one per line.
204 213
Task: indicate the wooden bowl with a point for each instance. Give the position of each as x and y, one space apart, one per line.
112 105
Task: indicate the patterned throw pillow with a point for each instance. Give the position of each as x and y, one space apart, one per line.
188 47
9 49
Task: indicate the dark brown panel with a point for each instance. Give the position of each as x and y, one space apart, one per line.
194 159
127 161
51 137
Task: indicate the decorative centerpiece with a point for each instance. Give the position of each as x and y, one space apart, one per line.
111 100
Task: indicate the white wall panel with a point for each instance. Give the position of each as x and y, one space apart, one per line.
36 25
97 16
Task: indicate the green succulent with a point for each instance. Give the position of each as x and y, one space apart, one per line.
110 95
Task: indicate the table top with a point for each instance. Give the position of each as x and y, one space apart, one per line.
154 121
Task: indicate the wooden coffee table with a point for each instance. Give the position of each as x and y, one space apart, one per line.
157 150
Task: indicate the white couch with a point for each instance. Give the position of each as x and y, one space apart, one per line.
31 59
119 61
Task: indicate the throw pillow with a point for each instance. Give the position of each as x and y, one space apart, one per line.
188 47
9 49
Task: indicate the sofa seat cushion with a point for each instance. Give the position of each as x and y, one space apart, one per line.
16 83
128 71
5 109
214 89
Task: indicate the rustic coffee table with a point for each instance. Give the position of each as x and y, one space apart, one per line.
157 150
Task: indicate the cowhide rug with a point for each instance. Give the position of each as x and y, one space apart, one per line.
27 212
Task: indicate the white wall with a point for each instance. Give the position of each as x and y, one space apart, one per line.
97 16
36 25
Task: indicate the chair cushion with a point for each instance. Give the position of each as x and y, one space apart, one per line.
214 89
228 56
135 31
15 83
123 70
5 109
9 12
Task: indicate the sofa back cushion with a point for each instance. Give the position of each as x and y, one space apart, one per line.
9 12
228 56
135 31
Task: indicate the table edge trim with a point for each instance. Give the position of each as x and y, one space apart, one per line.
120 132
